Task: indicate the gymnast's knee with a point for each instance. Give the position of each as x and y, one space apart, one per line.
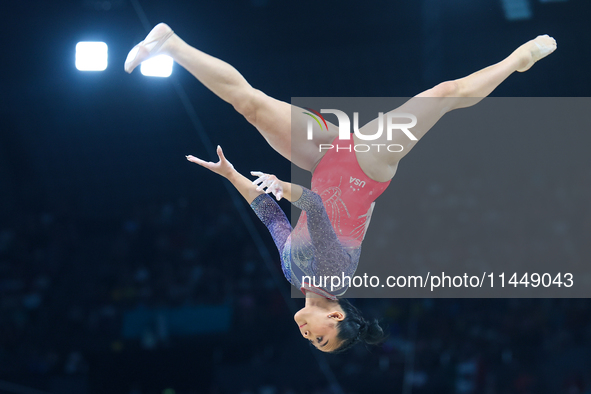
245 102
446 89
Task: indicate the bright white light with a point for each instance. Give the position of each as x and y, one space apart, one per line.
91 56
159 66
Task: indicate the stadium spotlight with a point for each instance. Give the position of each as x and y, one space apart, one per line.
159 66
91 56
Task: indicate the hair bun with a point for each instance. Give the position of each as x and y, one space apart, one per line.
363 328
354 328
372 333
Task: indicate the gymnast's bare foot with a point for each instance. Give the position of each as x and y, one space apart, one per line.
534 50
155 43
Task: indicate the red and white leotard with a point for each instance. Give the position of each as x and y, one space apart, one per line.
347 192
335 214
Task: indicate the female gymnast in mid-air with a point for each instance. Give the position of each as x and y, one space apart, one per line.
327 238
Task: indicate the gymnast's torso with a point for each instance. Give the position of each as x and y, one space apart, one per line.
347 196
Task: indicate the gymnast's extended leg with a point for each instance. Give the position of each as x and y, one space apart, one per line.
431 105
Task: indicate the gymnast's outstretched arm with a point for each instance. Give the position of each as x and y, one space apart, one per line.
330 256
247 188
263 205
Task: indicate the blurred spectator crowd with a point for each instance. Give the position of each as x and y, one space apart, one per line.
66 281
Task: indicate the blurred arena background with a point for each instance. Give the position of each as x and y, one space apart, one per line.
125 269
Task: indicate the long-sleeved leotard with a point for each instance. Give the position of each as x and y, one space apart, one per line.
326 241
320 255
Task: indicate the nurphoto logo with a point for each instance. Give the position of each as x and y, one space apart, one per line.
345 129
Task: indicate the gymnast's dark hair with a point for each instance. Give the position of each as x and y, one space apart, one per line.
354 329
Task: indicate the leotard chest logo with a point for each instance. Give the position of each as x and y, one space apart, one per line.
356 182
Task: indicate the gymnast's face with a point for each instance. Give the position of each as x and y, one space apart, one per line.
318 325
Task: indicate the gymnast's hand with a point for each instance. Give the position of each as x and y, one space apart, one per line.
222 167
273 185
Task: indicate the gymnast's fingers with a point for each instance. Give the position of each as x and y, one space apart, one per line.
197 160
260 179
260 182
277 190
220 153
265 184
269 186
274 187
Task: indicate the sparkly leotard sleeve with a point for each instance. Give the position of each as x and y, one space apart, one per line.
326 241
322 253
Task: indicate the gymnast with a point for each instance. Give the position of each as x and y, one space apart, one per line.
335 214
